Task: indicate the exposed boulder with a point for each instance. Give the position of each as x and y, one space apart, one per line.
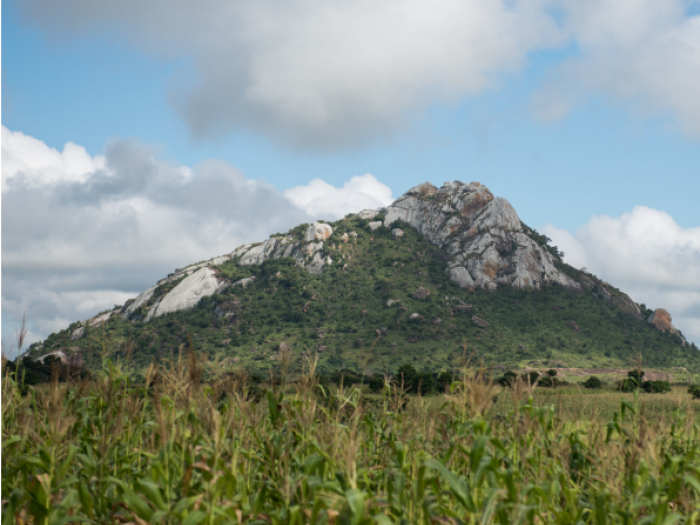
437 321
375 224
661 320
226 309
478 321
460 276
318 231
397 233
421 293
77 333
368 214
415 316
245 283
572 324
189 292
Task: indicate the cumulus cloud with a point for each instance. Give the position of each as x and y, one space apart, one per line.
39 164
647 255
332 74
319 198
645 53
321 74
81 234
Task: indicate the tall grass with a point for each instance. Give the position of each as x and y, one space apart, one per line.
181 450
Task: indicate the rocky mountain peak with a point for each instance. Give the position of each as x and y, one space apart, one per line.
485 240
481 238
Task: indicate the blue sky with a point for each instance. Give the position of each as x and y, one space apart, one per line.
567 121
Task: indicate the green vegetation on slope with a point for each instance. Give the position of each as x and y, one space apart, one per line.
344 315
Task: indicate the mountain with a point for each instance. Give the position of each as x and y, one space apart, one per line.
411 283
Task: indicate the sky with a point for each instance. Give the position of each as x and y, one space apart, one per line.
141 136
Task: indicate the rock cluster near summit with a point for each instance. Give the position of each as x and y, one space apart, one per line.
482 235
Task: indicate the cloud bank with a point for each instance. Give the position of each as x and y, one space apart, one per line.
333 74
643 53
81 234
646 254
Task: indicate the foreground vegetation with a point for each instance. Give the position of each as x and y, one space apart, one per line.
181 450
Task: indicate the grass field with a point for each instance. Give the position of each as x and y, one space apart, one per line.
182 450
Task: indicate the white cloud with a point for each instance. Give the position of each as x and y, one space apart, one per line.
644 53
647 255
318 73
36 163
81 233
329 74
320 199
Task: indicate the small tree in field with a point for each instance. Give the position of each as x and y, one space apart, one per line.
593 382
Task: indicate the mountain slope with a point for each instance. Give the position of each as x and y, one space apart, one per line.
409 283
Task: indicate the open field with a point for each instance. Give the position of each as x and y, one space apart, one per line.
180 450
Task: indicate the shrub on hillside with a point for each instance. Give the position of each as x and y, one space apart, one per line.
376 384
656 387
629 384
694 390
444 381
531 378
593 382
507 379
548 381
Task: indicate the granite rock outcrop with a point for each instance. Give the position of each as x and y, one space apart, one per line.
483 236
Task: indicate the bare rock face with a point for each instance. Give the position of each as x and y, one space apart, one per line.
58 354
225 310
661 320
368 214
308 251
482 235
189 292
572 324
318 231
99 319
77 333
397 233
478 321
140 300
421 293
245 283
